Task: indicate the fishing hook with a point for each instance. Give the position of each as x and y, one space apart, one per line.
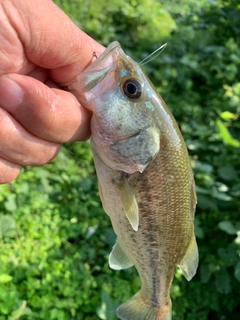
153 55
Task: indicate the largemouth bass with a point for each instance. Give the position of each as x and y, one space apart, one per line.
145 179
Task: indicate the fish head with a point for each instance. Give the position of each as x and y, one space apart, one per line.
124 106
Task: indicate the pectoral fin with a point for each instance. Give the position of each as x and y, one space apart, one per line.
118 259
189 262
129 202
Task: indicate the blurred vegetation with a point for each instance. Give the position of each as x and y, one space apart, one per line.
55 237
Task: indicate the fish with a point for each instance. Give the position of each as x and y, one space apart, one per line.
145 180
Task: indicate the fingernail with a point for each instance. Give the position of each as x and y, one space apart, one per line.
11 94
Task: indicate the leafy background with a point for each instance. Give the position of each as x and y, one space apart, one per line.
55 237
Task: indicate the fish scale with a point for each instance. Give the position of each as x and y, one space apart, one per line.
145 179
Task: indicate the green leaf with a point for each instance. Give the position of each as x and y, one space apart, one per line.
90 231
228 256
222 281
227 226
227 116
226 135
227 172
237 226
237 271
202 190
57 314
190 60
206 202
205 273
204 167
23 310
198 229
5 278
108 307
86 184
4 308
10 203
7 226
220 195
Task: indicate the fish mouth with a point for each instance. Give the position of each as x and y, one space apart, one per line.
106 53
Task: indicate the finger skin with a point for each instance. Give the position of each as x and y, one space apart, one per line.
41 34
46 45
48 113
39 48
8 171
19 146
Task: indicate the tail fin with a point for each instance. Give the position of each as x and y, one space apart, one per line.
136 309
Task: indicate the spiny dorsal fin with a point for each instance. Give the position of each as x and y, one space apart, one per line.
129 202
118 259
189 263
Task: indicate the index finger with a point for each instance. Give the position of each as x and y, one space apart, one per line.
50 39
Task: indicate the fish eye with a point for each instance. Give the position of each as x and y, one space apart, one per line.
132 88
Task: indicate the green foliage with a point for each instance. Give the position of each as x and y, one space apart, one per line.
55 237
127 22
54 244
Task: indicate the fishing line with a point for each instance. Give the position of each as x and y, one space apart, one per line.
153 55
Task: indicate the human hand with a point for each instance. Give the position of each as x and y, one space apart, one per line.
40 47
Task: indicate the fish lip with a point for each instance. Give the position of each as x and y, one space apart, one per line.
106 53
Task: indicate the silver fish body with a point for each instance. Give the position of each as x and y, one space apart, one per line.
145 179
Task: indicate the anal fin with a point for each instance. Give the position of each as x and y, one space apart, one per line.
189 263
118 260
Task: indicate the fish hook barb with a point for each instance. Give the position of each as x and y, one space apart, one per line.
95 55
